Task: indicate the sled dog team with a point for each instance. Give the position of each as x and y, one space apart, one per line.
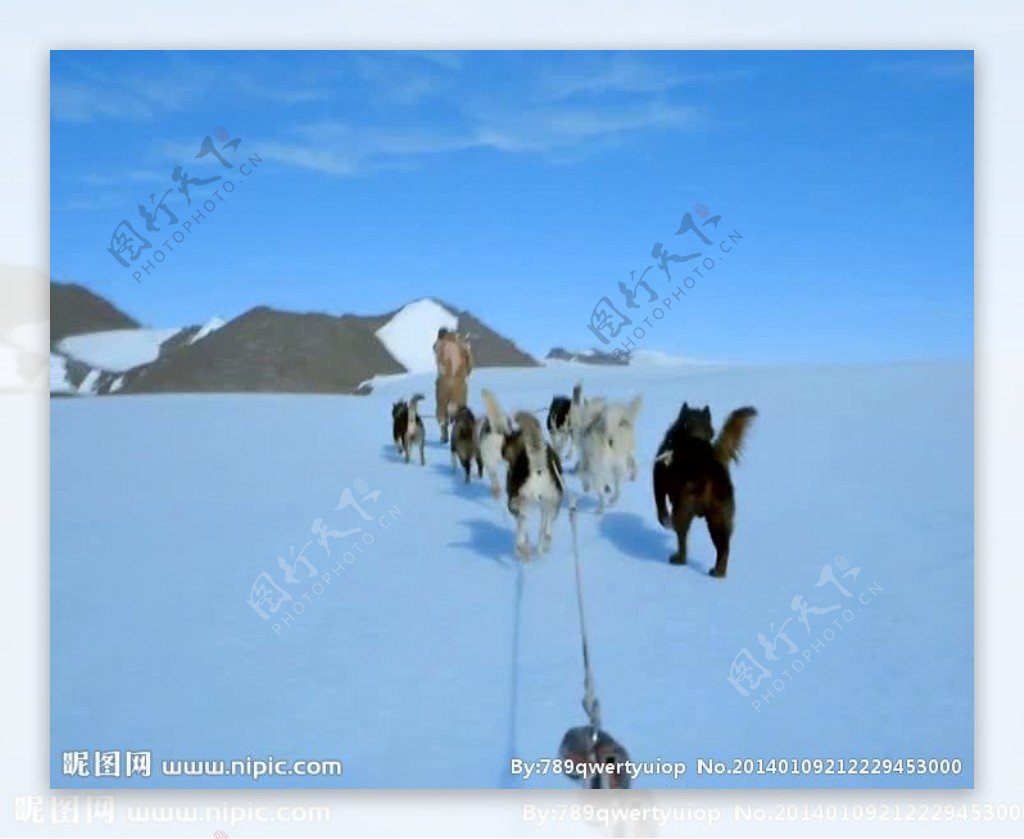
691 473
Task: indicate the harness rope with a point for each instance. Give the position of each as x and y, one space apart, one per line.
591 704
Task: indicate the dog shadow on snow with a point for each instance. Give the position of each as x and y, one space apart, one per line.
636 537
478 489
392 455
489 538
490 535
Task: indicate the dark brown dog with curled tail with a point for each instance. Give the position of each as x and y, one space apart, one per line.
691 472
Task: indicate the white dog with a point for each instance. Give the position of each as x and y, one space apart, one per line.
608 443
491 431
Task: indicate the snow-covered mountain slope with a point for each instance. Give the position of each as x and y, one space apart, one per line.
212 325
116 350
422 654
409 336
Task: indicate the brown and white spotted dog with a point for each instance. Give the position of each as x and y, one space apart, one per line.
534 480
407 428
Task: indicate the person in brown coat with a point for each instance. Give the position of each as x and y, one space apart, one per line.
454 364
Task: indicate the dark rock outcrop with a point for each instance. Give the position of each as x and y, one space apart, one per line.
74 310
589 357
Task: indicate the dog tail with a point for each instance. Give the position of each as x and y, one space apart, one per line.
494 412
413 404
577 394
729 442
533 436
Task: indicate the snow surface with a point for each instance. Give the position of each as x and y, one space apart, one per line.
658 357
636 359
212 325
409 336
117 350
432 658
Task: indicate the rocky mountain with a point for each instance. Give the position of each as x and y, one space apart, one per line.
588 356
74 310
266 350
262 350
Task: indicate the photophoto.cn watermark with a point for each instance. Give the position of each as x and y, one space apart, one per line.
786 653
608 322
162 220
301 581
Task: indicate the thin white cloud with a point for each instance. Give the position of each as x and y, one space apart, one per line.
342 149
184 81
401 77
83 102
128 176
549 129
627 74
536 113
88 203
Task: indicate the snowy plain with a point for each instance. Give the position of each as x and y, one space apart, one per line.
433 658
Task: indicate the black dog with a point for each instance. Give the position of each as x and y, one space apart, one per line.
692 473
564 418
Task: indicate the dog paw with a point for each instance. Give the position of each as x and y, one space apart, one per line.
495 491
676 559
666 522
523 550
718 575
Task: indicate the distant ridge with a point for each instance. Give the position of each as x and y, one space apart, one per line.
265 350
588 357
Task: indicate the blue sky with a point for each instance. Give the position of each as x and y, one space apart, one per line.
525 186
